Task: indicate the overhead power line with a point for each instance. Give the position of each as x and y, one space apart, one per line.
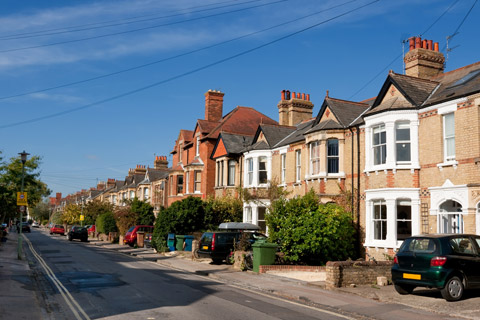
128 93
400 55
139 29
114 23
175 56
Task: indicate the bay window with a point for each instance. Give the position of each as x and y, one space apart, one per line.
379 220
402 141
231 172
332 156
315 157
379 145
262 170
298 165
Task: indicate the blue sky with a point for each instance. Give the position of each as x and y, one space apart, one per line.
104 139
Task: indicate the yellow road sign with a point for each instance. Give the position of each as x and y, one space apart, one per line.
82 217
22 199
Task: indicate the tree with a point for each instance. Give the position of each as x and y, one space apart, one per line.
92 209
224 209
310 232
105 223
71 214
10 184
182 217
42 211
144 212
124 218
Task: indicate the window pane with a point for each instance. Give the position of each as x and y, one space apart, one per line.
403 134
333 147
333 165
450 147
449 124
403 152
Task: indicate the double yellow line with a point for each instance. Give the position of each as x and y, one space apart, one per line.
71 302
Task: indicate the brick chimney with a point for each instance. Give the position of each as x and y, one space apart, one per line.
140 169
294 108
161 162
110 183
101 185
213 105
423 60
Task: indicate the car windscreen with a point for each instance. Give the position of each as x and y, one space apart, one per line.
206 238
420 245
131 229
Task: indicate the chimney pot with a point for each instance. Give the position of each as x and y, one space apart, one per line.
412 43
436 46
294 95
424 44
418 41
308 97
283 94
303 96
288 95
430 44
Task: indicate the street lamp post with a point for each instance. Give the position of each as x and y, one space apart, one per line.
23 157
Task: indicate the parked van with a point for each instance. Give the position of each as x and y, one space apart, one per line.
131 235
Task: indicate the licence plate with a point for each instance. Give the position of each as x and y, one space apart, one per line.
412 276
205 247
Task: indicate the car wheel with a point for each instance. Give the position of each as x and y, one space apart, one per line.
195 254
453 290
69 238
51 233
404 288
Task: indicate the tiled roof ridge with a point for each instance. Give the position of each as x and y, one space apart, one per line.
277 125
413 78
348 101
369 99
456 70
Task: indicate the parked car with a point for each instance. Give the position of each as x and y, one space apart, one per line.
218 245
78 232
91 229
25 227
449 262
131 235
35 224
57 229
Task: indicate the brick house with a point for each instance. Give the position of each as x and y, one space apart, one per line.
421 153
194 172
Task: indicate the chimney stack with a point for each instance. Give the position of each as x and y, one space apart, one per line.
423 60
294 108
213 105
161 162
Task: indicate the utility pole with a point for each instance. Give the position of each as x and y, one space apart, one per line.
23 157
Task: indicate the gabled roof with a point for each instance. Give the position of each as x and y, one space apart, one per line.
297 135
414 91
347 113
273 134
186 136
230 145
456 84
241 121
420 93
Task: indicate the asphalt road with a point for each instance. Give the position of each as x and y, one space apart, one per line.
76 281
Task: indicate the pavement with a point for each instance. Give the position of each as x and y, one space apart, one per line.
19 298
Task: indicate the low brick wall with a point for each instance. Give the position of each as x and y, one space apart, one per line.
284 268
345 273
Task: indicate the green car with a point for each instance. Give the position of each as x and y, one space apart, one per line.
449 262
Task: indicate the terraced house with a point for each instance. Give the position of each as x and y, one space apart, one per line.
422 152
196 169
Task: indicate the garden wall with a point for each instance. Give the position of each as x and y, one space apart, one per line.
345 273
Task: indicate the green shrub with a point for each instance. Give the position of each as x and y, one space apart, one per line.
309 232
105 223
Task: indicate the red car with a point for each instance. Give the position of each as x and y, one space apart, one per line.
91 229
131 235
57 229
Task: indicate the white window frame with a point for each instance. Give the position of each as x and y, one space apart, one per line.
283 168
379 129
197 147
448 137
146 193
390 196
333 157
180 152
250 170
382 220
231 172
298 165
314 159
259 160
402 125
389 119
132 194
187 182
197 182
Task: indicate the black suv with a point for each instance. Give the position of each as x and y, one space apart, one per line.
218 245
78 232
